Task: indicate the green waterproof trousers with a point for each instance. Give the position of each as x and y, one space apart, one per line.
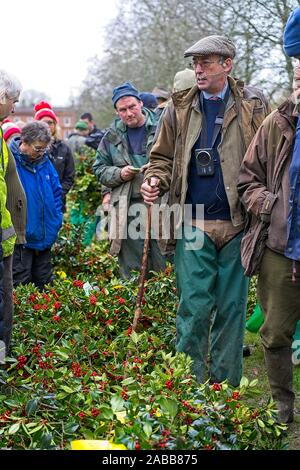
212 309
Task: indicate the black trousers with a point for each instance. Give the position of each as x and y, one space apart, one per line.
32 266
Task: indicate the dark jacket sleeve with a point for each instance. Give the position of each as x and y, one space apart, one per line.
57 191
93 140
69 172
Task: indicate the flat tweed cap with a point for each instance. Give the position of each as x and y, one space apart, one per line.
215 44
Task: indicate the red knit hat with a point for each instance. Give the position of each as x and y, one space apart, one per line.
9 128
43 109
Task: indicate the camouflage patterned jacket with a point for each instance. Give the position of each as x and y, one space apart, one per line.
112 155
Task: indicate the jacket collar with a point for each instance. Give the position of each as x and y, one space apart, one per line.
289 108
184 98
286 117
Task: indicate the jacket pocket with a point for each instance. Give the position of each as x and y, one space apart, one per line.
35 230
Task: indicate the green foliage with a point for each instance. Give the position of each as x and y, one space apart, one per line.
252 296
72 258
85 195
78 371
73 253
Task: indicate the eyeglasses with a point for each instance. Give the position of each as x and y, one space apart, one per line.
39 149
205 64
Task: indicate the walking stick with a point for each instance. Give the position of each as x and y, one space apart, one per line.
138 308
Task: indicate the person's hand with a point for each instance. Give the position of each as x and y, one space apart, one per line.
127 173
150 190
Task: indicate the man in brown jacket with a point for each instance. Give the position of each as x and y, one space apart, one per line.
269 185
204 134
265 191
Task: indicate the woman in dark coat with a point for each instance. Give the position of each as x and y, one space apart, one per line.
60 153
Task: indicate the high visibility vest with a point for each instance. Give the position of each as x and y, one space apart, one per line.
8 231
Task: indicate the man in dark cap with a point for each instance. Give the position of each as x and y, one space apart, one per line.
121 159
204 134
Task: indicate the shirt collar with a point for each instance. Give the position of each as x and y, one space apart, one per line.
220 94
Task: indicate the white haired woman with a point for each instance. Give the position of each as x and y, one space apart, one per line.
32 261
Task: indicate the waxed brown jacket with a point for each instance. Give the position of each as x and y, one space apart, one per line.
181 125
263 186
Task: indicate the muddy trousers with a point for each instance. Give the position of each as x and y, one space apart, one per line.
212 308
279 297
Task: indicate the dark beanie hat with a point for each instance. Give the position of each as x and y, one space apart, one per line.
126 89
291 35
149 100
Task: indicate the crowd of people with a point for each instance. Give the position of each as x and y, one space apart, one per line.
227 166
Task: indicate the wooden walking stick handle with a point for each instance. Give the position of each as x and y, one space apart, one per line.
138 309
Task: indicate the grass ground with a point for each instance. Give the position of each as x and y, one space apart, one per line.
254 368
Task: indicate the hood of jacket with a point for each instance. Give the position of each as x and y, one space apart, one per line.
23 159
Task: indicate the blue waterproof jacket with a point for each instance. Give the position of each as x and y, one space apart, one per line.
44 198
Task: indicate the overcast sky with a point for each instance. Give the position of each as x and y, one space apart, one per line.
47 44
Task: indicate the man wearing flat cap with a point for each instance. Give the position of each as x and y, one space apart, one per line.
204 135
121 159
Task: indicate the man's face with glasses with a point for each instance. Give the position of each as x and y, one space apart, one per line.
211 72
35 150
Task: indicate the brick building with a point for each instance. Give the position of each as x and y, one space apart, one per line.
66 118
